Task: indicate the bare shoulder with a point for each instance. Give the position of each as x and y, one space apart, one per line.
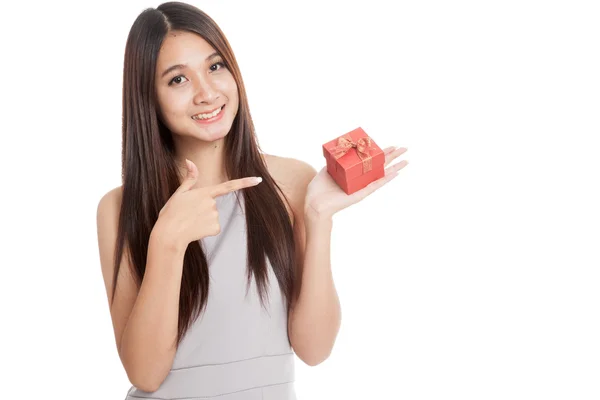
110 200
107 221
289 171
292 175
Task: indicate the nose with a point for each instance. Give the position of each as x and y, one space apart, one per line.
204 91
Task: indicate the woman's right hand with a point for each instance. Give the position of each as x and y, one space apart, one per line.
191 213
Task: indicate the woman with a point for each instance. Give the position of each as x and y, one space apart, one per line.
220 279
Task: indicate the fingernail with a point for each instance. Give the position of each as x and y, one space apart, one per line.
258 179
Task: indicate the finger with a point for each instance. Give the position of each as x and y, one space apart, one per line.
190 178
233 185
389 157
396 167
389 149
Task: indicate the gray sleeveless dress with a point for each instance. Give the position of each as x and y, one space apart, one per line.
235 350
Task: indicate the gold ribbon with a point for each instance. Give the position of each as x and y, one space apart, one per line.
363 148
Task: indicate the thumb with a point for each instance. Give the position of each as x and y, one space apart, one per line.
191 176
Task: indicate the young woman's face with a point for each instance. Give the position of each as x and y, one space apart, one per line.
199 86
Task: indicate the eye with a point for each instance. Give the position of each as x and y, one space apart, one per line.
176 80
220 64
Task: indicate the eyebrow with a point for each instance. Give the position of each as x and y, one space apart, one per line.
181 66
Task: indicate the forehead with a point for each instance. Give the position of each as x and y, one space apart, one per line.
183 48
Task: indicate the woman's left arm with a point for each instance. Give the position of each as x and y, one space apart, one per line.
315 316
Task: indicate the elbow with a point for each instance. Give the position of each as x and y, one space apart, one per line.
144 375
145 380
145 386
311 353
315 359
315 362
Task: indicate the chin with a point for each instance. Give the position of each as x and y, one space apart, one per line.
212 135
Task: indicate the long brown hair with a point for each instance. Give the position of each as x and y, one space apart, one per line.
149 171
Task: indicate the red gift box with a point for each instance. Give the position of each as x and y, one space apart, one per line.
354 160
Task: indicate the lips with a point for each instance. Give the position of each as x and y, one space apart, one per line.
212 119
208 115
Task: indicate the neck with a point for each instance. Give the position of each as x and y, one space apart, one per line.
209 157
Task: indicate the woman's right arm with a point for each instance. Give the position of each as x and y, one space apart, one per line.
145 320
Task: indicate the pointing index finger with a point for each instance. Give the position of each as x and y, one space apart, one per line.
233 185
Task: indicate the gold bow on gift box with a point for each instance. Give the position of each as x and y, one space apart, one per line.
363 148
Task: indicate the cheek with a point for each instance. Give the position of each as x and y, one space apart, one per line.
228 87
172 105
232 94
170 111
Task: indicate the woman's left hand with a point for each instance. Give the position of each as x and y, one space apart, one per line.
324 197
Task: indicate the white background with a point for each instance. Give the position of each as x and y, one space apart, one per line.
478 273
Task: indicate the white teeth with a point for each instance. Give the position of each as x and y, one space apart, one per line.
207 116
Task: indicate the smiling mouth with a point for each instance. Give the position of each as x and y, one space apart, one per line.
206 116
